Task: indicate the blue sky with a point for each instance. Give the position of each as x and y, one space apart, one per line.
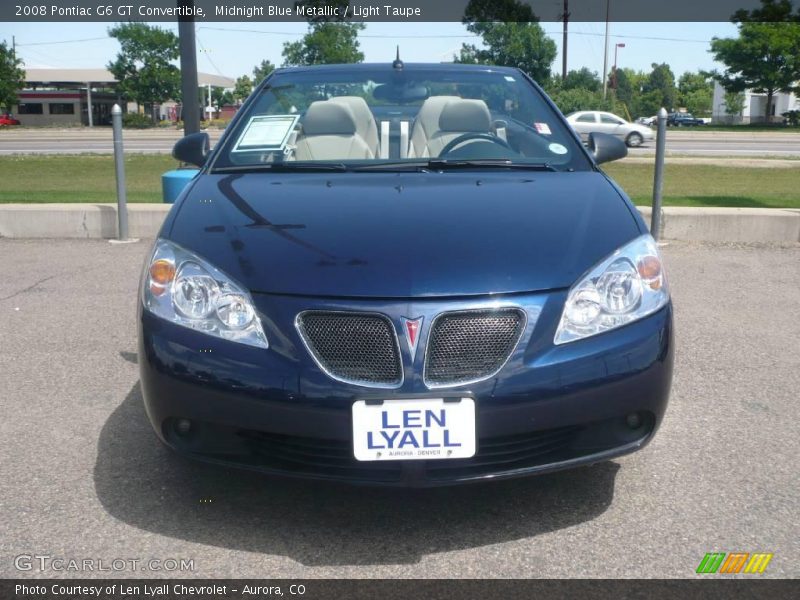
232 49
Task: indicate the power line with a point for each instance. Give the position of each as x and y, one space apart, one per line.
295 34
65 41
468 35
465 36
631 37
208 56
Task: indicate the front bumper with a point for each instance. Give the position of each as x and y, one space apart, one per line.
550 407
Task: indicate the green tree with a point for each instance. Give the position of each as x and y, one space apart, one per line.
630 84
696 93
734 103
660 87
221 97
325 43
584 78
242 89
330 39
12 77
143 66
765 57
511 36
261 71
574 99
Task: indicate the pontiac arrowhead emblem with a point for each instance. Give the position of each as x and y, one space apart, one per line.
412 327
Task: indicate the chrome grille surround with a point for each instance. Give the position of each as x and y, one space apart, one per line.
360 348
468 346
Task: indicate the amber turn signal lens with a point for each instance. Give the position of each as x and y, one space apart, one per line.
162 272
650 270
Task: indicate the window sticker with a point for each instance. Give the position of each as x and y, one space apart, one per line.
557 149
542 128
266 132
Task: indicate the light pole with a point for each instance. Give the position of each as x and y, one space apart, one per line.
605 51
616 46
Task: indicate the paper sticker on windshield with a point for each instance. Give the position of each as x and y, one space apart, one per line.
542 128
557 149
266 132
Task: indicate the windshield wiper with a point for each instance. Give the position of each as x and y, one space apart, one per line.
283 167
443 164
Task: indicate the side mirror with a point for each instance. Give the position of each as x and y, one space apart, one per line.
606 148
193 149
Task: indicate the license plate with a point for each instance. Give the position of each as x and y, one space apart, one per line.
414 429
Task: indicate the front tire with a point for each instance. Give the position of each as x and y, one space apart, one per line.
634 140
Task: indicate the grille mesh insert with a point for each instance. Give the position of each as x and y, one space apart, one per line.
353 347
471 345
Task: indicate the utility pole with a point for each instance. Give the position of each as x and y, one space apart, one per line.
564 42
605 53
189 93
14 47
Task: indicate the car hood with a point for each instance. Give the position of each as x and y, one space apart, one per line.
395 235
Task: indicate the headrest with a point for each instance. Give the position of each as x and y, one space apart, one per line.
354 102
465 115
361 112
329 118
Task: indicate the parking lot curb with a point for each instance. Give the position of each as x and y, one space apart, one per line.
99 221
95 221
706 224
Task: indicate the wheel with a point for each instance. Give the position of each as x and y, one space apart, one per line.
634 140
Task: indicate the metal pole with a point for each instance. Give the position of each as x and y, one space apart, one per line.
189 94
605 53
89 103
658 178
119 167
564 42
614 69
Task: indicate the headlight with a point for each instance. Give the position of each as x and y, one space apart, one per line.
626 286
185 289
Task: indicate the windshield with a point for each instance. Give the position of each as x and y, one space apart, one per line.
375 117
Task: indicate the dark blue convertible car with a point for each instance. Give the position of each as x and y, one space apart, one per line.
403 275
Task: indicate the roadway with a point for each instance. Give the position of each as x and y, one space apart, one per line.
85 477
98 140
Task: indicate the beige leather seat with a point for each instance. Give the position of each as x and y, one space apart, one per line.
329 133
456 117
366 127
426 124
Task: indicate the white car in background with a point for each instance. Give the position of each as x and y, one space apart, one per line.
585 122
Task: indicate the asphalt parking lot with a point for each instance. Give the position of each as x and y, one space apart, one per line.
83 476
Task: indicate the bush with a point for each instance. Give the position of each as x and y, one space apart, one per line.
576 99
136 121
793 117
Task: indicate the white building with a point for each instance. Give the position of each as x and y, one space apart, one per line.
67 97
755 106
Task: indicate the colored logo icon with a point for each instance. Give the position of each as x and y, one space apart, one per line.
734 562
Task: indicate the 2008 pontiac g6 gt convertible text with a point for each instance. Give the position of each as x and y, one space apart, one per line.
404 275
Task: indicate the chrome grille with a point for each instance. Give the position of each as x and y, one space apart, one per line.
359 348
467 346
